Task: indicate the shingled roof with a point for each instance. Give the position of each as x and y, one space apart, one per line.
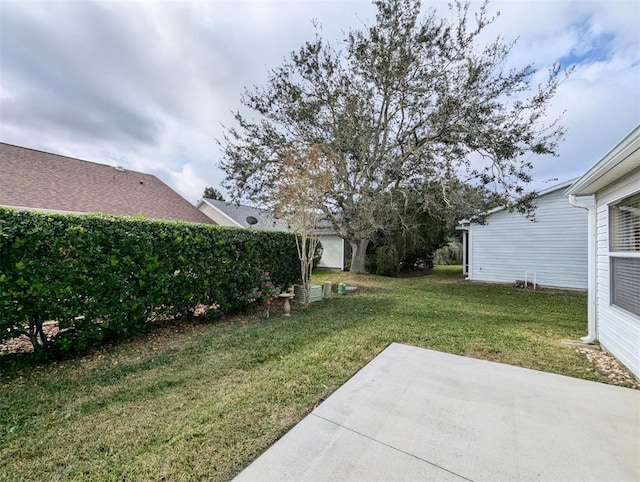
39 180
237 215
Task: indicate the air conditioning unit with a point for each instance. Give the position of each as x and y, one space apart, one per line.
315 293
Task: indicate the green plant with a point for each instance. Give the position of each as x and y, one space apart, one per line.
387 261
370 263
451 253
266 292
103 278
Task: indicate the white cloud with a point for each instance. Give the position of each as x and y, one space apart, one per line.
148 85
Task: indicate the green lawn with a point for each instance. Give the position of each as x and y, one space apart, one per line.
202 401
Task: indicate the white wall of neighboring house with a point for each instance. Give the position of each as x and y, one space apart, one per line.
618 330
553 247
332 252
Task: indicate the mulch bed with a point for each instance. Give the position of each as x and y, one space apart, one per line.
22 344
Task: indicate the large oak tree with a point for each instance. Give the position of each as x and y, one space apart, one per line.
413 100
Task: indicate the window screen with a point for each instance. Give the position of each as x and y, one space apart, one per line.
624 225
625 283
624 246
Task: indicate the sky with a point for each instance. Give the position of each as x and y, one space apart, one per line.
150 85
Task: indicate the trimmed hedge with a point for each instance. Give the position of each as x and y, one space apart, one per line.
104 277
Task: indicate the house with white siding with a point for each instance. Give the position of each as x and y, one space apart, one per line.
549 250
334 249
609 193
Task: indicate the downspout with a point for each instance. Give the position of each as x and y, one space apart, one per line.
592 325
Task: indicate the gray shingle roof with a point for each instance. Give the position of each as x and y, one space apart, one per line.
240 213
41 180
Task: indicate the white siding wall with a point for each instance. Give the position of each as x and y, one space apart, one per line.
618 330
333 253
554 246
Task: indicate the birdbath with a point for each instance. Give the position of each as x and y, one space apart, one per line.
287 307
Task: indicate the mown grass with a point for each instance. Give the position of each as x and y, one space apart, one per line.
200 402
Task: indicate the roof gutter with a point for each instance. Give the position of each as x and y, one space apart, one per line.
592 325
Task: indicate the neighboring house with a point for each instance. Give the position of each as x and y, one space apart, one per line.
551 249
612 190
228 214
36 180
334 249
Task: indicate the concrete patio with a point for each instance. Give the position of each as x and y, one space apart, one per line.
416 414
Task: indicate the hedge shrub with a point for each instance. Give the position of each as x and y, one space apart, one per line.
451 253
104 277
387 261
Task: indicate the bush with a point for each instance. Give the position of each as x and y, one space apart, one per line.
449 254
103 277
387 261
370 263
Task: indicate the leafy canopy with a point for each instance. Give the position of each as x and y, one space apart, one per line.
412 103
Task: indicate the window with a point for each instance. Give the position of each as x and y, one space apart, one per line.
624 253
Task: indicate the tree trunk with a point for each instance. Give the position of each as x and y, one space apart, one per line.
36 334
359 251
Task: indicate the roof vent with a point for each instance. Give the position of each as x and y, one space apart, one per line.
120 168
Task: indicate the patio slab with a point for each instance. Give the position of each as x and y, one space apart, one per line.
416 414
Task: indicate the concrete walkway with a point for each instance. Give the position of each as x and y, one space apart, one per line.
416 414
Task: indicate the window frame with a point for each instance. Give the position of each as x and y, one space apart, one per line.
614 254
